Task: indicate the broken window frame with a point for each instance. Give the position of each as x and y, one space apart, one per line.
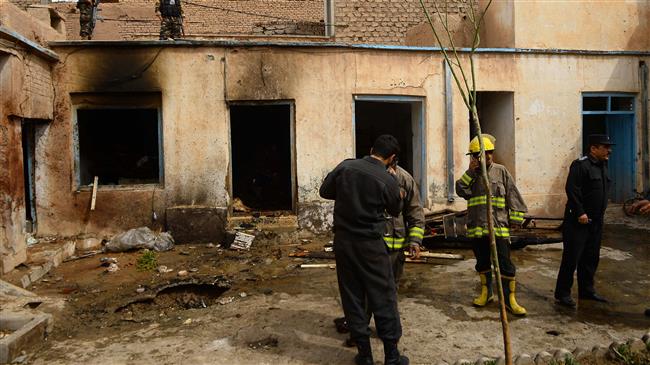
292 135
122 101
418 112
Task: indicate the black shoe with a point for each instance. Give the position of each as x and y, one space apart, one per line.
364 357
341 325
593 296
349 342
647 312
565 302
392 355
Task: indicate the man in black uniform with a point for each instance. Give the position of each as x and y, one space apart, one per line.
586 187
171 19
363 190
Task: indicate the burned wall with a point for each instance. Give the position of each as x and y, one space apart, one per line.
196 84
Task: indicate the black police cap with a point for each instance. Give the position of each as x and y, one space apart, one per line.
595 139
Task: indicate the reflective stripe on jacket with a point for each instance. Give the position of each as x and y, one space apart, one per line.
408 227
507 204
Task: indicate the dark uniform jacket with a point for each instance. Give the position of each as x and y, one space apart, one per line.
586 188
169 8
363 191
408 228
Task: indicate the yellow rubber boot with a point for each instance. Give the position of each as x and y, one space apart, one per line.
509 285
486 295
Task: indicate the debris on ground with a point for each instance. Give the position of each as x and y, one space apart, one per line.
239 206
163 269
183 273
242 241
317 266
107 261
226 300
138 238
112 268
264 343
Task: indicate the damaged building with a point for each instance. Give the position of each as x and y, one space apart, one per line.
177 132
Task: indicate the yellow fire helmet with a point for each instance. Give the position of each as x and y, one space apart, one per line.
488 142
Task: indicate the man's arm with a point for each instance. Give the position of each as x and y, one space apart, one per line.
393 197
414 216
328 187
514 201
573 190
464 184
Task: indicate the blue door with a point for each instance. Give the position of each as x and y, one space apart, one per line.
613 114
622 161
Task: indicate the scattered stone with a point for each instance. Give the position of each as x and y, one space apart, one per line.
613 350
580 353
264 343
553 333
646 338
636 345
226 300
31 241
210 245
163 269
267 291
483 360
107 261
304 240
183 273
20 359
599 351
188 321
191 247
524 359
243 295
562 354
89 244
140 290
243 241
184 253
194 269
543 358
463 362
112 268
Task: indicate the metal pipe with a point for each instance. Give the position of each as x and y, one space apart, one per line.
449 108
316 44
645 149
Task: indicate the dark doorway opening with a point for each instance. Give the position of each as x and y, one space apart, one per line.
120 146
400 116
28 131
261 142
374 118
496 115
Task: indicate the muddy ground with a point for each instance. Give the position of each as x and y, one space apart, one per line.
259 307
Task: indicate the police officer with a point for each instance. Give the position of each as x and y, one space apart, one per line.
363 190
404 232
171 18
586 188
508 210
86 23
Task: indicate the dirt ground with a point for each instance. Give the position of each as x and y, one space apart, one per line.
260 307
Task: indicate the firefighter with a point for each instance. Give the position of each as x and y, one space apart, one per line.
407 230
171 19
587 186
363 190
508 211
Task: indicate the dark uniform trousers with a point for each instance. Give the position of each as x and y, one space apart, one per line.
481 248
397 260
581 251
365 278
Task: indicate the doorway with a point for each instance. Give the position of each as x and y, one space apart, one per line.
613 114
496 115
28 132
261 138
400 116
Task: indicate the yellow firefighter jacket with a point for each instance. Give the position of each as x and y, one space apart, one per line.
507 203
408 227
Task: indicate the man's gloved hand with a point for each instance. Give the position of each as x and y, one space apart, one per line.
414 250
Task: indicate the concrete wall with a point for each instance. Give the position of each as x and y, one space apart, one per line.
585 25
322 84
27 90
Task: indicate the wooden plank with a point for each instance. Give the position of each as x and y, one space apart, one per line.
94 198
316 266
435 255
